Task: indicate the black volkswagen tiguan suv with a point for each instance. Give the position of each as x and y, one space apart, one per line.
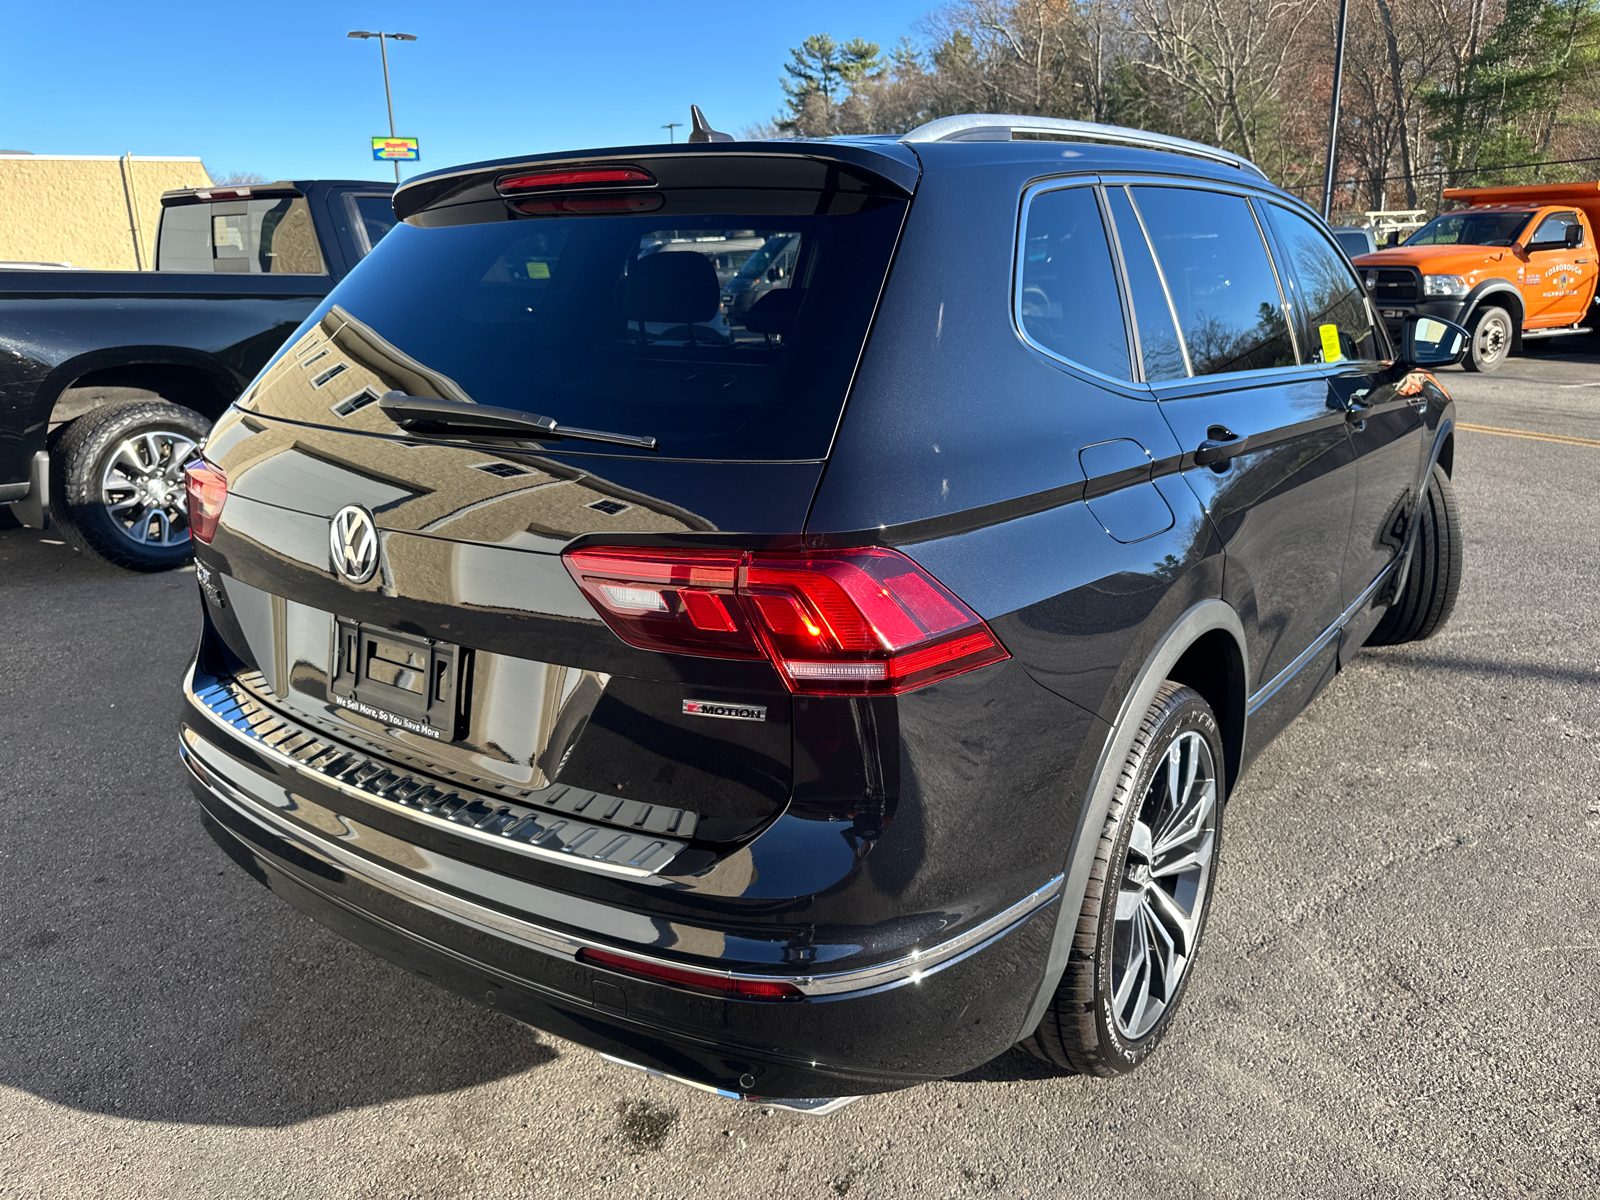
821 694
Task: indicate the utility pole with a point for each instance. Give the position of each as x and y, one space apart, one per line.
1333 116
388 96
672 137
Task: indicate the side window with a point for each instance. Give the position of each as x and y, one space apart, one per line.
1552 232
1067 299
1159 345
371 216
1221 281
1331 299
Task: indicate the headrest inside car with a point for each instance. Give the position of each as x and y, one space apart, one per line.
671 286
775 312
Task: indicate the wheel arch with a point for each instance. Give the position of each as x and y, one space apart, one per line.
1500 294
89 381
1204 649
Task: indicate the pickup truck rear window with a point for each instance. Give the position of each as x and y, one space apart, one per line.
723 335
273 235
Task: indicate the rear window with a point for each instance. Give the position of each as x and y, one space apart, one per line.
722 336
270 236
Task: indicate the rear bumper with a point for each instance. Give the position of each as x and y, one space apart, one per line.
944 1009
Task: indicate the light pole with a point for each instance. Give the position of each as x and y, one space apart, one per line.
384 51
671 127
1333 113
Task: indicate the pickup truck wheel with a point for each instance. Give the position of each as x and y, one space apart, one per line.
117 487
1491 340
1144 911
1429 595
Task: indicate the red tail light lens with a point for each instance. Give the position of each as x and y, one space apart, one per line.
684 602
745 989
208 489
849 622
581 178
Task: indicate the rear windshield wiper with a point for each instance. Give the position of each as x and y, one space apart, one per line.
425 415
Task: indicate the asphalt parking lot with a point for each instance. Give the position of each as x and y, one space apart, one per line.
1397 998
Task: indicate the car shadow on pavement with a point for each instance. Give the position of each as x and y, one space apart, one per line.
142 974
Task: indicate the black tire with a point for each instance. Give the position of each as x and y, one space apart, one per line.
1082 1030
1492 337
1428 596
85 455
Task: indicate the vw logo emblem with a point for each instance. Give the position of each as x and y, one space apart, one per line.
353 543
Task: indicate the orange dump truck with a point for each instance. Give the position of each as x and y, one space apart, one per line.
1516 266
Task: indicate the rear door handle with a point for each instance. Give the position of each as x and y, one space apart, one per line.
1219 446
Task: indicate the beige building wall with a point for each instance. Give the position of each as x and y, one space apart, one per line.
75 208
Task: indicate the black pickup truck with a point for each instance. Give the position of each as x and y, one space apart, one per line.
109 379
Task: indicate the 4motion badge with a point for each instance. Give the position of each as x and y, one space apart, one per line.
728 712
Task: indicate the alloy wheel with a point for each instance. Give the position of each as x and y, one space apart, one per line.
142 487
1164 886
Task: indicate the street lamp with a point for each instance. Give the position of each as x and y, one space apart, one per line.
671 127
384 51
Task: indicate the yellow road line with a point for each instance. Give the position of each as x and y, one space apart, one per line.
1562 439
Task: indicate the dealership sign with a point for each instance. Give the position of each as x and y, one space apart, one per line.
398 148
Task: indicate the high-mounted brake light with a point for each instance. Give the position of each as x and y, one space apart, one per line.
744 989
846 622
207 488
566 180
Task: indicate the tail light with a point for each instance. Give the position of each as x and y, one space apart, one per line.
846 622
208 489
745 988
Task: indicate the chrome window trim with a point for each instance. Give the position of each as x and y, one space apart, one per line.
1285 305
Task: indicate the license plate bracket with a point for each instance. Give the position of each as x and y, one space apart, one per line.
405 680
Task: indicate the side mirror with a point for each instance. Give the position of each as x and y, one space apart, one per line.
1574 236
1432 342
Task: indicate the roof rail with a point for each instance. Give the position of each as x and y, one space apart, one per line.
996 127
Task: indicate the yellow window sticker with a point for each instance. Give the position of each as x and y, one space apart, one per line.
1430 331
538 270
1330 344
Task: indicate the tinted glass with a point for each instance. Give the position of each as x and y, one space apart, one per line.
373 215
1220 277
240 237
622 323
1158 336
1552 230
1069 302
1355 242
1471 229
1331 298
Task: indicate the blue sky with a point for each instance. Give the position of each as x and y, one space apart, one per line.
275 87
